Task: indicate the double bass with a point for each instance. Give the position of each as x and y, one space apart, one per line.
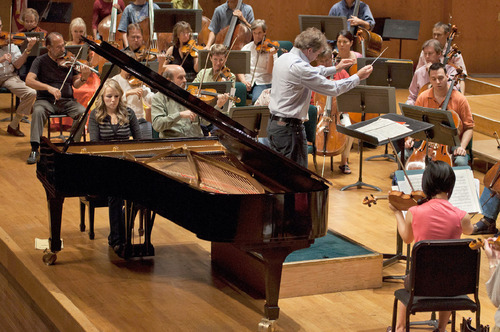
366 42
235 35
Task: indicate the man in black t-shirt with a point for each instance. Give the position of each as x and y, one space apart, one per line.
53 97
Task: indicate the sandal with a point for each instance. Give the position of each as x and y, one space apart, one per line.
484 226
345 169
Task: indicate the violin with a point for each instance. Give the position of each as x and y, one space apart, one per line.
224 73
479 243
191 48
134 81
398 199
68 61
268 45
208 95
11 38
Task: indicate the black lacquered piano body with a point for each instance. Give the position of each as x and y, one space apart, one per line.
288 215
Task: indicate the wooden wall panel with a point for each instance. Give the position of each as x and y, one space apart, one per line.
477 22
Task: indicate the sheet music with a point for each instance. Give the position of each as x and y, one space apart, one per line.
383 129
465 193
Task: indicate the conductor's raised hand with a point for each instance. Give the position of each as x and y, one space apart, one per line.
365 72
345 63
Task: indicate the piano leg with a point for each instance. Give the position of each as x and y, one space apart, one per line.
142 249
273 260
55 205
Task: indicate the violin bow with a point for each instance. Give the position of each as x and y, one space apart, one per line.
256 62
70 69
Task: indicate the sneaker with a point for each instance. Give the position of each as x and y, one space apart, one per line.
33 158
15 131
485 226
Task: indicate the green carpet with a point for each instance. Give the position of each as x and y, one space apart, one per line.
328 246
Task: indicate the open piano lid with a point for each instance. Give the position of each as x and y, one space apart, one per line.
239 140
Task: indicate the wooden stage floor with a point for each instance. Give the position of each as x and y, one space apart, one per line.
89 288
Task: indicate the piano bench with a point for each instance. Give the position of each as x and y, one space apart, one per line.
92 202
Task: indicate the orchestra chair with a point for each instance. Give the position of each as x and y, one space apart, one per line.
59 118
440 282
466 326
12 108
241 92
287 45
310 127
92 202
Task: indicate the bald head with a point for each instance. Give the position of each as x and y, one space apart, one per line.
176 74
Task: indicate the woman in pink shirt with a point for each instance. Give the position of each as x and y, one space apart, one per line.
435 218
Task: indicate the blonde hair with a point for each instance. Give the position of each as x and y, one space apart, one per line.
218 49
30 11
179 27
310 38
77 22
100 107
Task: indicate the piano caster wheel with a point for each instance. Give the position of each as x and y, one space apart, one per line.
267 325
49 258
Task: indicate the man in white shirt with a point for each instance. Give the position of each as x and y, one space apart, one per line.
293 80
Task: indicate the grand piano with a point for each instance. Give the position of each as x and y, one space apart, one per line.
227 189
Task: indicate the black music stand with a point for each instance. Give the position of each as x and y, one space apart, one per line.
166 18
237 61
328 25
254 118
365 99
165 5
401 29
387 72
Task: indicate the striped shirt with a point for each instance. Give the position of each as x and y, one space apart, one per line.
107 132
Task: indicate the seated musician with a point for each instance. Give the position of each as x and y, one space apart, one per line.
54 87
261 62
101 9
441 32
346 8
12 59
111 120
219 72
434 98
171 119
135 39
135 12
433 219
345 39
325 58
432 51
222 18
30 20
182 34
136 96
490 203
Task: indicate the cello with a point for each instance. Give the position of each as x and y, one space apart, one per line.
366 41
235 35
329 141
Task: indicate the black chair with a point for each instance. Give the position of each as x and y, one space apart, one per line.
442 274
12 108
310 127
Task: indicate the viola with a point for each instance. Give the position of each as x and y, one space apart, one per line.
479 243
208 95
223 74
191 48
398 199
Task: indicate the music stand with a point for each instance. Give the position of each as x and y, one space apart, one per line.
116 70
237 61
328 25
164 5
365 99
74 49
166 18
387 72
51 11
254 118
401 29
35 51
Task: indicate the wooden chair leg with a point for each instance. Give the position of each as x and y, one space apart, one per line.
394 314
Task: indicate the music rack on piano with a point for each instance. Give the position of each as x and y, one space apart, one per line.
228 188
